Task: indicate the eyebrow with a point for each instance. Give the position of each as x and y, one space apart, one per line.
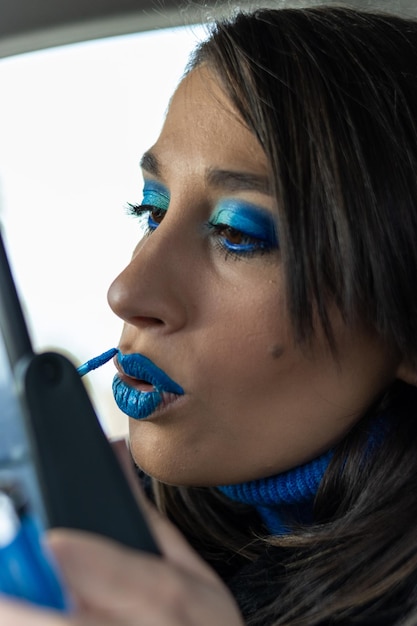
150 164
228 180
231 180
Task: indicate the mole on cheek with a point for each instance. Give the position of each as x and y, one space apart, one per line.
276 351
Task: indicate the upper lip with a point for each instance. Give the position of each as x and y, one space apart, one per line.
138 366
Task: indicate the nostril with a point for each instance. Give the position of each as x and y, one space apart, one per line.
144 320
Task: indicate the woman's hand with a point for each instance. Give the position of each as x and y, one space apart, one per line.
114 586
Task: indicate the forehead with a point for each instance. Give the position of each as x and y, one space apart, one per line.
200 91
203 125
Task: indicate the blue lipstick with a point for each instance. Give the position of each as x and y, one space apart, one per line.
134 402
97 362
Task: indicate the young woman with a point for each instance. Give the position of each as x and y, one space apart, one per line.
268 360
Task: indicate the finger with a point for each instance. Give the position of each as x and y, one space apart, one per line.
120 586
94 567
25 614
21 615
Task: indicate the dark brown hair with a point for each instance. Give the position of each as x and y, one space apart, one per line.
331 95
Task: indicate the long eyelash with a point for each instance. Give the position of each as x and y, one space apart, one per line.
140 212
233 254
136 210
257 250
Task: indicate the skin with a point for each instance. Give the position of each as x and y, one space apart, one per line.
255 403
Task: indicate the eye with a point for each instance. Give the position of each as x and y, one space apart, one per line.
243 229
151 211
235 242
232 235
155 215
236 238
148 217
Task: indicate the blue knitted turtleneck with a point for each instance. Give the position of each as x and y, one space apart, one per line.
283 499
288 498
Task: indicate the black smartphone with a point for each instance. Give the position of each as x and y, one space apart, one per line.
55 459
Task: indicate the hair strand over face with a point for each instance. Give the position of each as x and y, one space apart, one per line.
331 95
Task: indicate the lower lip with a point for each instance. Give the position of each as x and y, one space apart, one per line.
140 404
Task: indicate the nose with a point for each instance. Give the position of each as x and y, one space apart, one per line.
149 291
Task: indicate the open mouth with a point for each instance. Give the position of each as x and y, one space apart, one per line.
141 387
143 372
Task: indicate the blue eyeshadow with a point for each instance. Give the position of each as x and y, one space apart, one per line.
155 194
247 218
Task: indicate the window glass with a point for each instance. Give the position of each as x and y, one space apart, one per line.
74 122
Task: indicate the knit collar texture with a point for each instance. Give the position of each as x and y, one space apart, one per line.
285 498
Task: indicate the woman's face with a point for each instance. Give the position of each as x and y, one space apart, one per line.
203 298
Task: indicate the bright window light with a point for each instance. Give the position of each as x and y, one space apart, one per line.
74 122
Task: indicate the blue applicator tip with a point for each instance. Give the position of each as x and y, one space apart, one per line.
98 361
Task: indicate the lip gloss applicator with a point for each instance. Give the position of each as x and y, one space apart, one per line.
96 362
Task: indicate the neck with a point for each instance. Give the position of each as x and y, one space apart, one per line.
287 499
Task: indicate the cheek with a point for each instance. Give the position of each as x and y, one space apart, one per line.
238 332
248 320
245 301
240 349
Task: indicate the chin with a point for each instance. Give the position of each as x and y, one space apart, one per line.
168 458
172 476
